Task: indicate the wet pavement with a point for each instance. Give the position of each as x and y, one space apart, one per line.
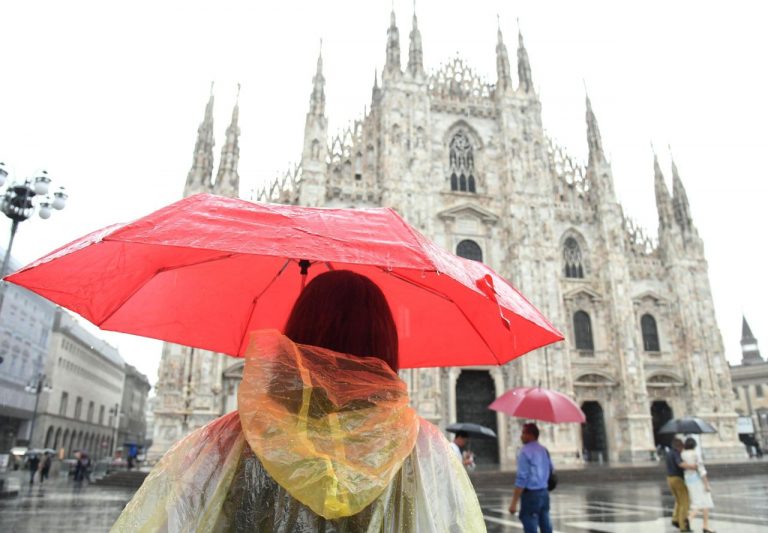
636 507
741 505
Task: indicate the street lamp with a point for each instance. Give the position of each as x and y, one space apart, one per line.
21 199
36 387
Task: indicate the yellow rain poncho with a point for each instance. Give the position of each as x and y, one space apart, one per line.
322 441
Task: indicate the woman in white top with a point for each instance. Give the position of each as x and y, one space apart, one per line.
698 485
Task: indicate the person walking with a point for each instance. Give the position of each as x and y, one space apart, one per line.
45 467
675 473
323 439
697 483
534 467
33 463
466 457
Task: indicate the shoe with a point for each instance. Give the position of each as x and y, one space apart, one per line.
676 524
708 531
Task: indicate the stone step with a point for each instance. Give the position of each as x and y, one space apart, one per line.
127 478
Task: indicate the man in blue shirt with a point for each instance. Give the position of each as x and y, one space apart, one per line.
533 468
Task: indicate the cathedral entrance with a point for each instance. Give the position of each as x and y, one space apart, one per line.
593 437
661 413
475 390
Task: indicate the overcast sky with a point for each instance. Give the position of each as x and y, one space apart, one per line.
107 97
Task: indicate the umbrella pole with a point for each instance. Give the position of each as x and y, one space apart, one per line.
304 266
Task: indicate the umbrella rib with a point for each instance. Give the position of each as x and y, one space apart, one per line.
256 300
449 299
150 278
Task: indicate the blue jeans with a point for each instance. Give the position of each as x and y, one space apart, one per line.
534 511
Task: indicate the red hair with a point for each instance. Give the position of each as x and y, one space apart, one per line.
345 312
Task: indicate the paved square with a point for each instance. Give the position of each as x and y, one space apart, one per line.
637 507
741 505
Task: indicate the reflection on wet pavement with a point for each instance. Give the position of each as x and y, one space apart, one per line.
741 505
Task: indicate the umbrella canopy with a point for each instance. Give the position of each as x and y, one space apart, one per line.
207 270
473 430
686 425
538 404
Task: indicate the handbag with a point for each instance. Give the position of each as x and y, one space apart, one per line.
552 479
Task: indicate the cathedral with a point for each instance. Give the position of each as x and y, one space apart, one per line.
467 162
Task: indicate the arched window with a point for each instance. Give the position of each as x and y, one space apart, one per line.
582 328
469 250
461 163
572 259
650 333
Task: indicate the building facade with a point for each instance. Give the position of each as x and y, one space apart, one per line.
750 386
26 321
467 162
81 407
132 434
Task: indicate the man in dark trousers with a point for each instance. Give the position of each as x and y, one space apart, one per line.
533 468
675 468
33 463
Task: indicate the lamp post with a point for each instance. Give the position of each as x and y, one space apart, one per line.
36 386
22 198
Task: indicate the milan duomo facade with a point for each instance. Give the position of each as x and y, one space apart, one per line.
469 165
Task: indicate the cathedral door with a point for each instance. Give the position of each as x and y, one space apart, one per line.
593 438
475 390
661 413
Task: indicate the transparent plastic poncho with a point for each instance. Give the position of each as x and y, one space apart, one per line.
322 441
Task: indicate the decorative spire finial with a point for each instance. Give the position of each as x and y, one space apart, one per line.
594 140
680 199
393 46
317 99
523 64
663 200
201 172
415 51
503 74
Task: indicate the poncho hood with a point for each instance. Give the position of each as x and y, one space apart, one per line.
332 429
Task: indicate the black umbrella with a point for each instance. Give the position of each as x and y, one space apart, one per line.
473 430
686 425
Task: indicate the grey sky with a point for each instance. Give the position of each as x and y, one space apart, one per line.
108 98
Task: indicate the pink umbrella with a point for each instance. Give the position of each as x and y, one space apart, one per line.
538 404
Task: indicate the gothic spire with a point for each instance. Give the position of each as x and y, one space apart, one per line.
594 141
199 176
663 200
393 46
415 51
375 91
504 77
680 200
523 65
227 179
317 100
750 353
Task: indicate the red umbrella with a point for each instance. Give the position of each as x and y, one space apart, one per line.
207 270
536 403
